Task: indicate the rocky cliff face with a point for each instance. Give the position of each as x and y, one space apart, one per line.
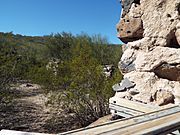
151 60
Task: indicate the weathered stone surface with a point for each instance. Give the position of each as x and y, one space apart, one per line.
177 34
118 87
124 85
177 100
130 29
153 89
147 61
127 84
133 92
127 4
158 60
159 18
151 58
127 61
168 71
163 97
143 97
121 94
176 93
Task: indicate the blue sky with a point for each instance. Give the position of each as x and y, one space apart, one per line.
43 17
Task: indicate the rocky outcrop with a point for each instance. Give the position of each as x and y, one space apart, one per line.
151 60
130 28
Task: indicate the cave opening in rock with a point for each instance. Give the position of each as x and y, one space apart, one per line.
172 42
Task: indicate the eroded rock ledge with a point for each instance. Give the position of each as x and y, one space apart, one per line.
151 61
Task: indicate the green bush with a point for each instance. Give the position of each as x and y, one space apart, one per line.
75 78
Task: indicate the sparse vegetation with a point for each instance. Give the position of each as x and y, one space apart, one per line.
68 68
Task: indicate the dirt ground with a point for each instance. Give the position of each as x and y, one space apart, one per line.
28 112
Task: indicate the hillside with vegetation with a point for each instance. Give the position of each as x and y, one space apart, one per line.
55 83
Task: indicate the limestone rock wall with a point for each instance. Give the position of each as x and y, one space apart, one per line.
151 60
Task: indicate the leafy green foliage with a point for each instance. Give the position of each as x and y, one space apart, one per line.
70 67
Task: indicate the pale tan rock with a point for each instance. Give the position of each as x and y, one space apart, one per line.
133 92
147 61
177 34
121 94
177 94
176 90
163 97
152 61
177 100
130 28
159 18
143 97
164 61
152 89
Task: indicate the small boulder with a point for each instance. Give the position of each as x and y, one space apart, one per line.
163 97
124 85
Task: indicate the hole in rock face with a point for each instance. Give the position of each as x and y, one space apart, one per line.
172 42
168 15
137 2
128 31
172 20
